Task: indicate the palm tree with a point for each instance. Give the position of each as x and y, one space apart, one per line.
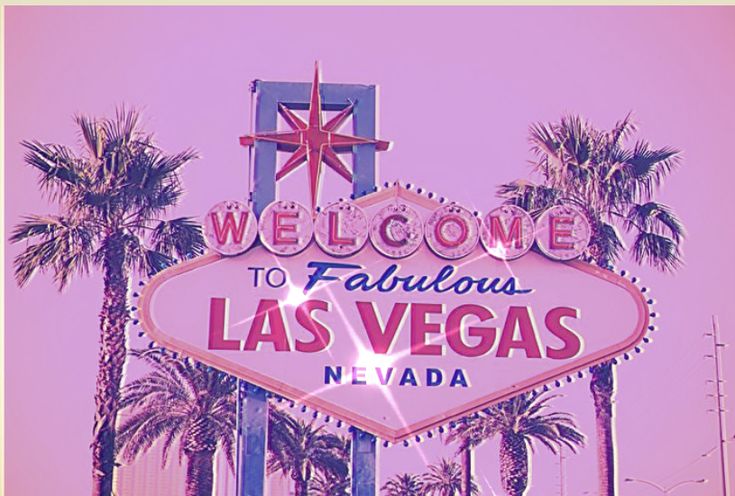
470 432
110 197
300 449
185 401
445 479
326 484
404 485
520 422
615 186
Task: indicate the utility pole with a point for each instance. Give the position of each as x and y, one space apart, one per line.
562 481
720 399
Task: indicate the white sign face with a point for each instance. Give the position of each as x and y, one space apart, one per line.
393 346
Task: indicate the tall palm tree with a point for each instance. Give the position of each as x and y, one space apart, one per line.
302 450
185 401
445 479
470 432
404 485
615 185
110 197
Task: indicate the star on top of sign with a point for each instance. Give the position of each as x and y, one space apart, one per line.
314 142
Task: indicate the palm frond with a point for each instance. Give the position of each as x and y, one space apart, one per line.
570 437
577 142
656 250
152 182
607 242
650 166
155 261
181 236
622 130
138 433
655 217
60 170
531 197
174 432
92 135
122 130
141 258
471 432
66 247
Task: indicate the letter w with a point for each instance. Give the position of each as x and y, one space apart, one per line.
229 228
381 338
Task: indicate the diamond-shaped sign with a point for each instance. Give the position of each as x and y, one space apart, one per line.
393 346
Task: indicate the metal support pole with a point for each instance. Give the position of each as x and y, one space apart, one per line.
253 413
364 463
252 433
252 405
720 397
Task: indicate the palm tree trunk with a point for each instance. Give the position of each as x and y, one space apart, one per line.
113 319
199 473
301 488
307 478
602 387
467 472
513 463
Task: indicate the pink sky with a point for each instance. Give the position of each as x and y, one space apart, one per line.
458 89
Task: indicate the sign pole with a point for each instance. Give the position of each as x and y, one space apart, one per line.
253 419
251 439
252 436
364 463
364 445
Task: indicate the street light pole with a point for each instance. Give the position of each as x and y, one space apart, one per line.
662 489
720 397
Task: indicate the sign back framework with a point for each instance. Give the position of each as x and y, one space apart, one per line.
178 305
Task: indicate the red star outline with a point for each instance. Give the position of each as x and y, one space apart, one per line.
313 142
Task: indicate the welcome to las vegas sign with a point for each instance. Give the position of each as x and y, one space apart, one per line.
394 312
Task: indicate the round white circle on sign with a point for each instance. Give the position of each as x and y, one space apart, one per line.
285 227
563 232
341 229
230 227
507 232
452 231
396 230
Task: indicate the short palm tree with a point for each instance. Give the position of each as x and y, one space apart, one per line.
110 196
404 485
180 401
520 422
615 185
326 484
445 479
301 450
